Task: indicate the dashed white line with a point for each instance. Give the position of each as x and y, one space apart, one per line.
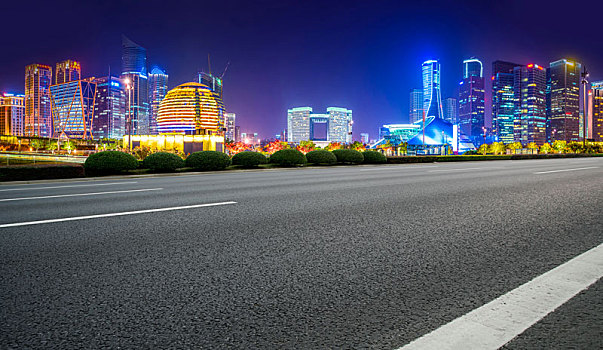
66 186
498 322
27 223
563 170
78 194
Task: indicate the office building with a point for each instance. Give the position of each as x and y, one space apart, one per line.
67 71
503 101
237 133
109 109
364 138
38 115
333 126
451 110
432 97
229 125
73 108
597 111
416 105
471 100
530 104
563 100
12 114
211 81
158 87
134 75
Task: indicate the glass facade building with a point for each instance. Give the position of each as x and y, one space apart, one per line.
432 97
529 88
503 102
67 71
12 114
211 81
134 75
229 125
334 126
416 105
451 110
109 109
158 87
298 124
471 100
340 125
38 115
563 100
597 111
191 109
73 108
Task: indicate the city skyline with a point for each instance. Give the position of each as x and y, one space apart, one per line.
260 89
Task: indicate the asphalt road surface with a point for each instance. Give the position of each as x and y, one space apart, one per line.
316 258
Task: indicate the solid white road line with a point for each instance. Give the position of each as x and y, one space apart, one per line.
79 194
51 187
498 322
27 223
562 170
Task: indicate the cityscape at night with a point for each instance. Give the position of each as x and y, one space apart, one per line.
301 174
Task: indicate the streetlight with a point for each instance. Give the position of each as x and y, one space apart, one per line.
484 132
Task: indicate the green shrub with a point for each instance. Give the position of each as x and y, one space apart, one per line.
321 157
348 156
163 162
288 157
41 172
249 159
110 162
374 157
208 160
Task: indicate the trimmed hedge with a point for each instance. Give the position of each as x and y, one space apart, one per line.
41 172
288 157
348 156
163 162
249 159
321 156
207 160
110 162
374 157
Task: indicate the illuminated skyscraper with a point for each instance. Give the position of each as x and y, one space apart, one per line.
530 104
38 119
432 97
73 108
134 75
563 100
229 125
298 124
340 125
364 138
503 103
451 110
597 111
471 100
67 71
416 105
109 109
12 114
158 87
211 81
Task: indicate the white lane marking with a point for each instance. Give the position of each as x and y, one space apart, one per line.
27 223
398 167
562 170
498 322
78 194
460 169
51 187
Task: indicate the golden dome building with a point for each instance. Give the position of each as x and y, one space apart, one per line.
189 119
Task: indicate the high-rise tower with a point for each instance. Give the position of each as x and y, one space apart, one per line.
451 110
563 100
158 87
38 116
597 111
416 105
67 71
432 97
529 89
471 99
503 105
109 109
12 114
134 76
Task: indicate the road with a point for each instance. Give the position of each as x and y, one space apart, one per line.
317 258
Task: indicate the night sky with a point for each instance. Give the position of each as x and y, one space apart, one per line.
363 55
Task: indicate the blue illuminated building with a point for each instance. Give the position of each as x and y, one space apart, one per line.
432 97
471 100
109 109
503 103
134 75
73 109
158 88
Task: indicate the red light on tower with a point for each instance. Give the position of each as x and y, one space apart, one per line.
530 65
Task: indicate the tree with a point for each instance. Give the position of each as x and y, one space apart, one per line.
236 147
546 148
483 149
403 147
275 146
559 146
306 146
514 146
333 146
358 146
37 144
533 146
496 148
